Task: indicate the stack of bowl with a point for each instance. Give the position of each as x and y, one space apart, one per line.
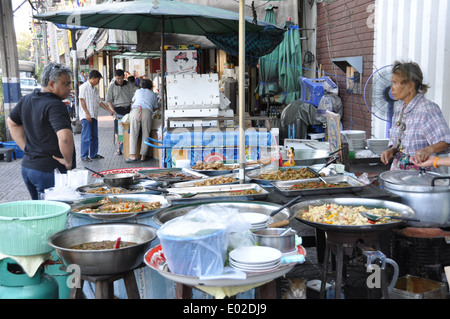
354 138
377 146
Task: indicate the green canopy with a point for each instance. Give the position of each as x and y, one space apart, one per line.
163 16
268 65
290 67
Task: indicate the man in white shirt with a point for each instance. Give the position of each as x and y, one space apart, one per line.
90 101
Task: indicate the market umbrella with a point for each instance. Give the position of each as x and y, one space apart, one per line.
290 66
268 65
167 16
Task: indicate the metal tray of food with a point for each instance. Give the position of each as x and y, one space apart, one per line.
172 175
99 189
210 181
270 175
89 207
315 186
214 168
223 192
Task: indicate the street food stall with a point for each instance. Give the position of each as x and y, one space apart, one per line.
157 197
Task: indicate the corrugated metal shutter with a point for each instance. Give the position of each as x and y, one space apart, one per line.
415 30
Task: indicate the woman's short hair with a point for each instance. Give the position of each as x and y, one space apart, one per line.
410 71
52 72
146 84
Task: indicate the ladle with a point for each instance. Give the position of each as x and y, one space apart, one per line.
376 218
186 195
317 174
97 173
285 205
286 231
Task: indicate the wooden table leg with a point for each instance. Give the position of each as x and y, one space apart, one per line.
131 285
77 293
183 291
267 291
104 289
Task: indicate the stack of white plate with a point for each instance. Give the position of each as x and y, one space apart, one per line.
257 220
356 138
255 258
378 146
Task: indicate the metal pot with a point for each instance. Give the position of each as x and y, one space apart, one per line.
427 193
271 237
119 180
108 261
116 180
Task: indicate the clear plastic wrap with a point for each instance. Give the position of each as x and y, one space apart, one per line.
196 243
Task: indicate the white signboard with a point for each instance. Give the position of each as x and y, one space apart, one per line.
181 62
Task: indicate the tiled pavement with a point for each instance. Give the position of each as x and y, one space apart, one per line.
12 187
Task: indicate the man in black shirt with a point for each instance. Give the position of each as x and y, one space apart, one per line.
40 124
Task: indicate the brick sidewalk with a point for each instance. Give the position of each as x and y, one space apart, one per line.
12 187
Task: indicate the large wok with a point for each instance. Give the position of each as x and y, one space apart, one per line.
401 209
170 213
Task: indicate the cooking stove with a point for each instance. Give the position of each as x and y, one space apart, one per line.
344 245
421 252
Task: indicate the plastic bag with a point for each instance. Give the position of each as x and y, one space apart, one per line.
329 102
195 244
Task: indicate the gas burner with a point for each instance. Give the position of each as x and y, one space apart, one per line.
422 252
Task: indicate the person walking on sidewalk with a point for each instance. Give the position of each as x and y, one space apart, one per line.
144 103
90 101
119 98
41 127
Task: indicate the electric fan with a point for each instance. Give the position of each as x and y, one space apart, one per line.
377 92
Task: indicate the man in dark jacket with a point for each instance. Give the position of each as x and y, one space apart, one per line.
40 125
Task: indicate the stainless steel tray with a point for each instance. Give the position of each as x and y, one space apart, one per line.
223 192
91 202
186 171
355 186
216 172
192 183
138 187
230 171
253 175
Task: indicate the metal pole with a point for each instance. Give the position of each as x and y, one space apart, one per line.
75 72
9 58
163 81
241 91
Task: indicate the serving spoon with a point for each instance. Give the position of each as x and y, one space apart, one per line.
183 195
376 218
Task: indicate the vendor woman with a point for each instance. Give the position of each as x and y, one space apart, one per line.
418 127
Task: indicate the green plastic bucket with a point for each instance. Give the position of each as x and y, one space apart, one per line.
26 225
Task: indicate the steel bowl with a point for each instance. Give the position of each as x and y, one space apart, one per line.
108 261
271 237
119 180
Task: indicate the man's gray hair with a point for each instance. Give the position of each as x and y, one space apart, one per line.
52 72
